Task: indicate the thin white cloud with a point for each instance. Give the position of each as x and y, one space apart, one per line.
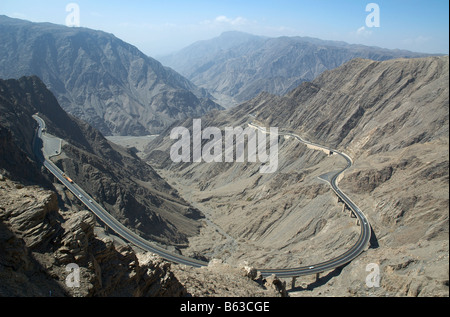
224 20
19 15
363 32
419 40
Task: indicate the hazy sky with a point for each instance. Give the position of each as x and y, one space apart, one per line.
160 27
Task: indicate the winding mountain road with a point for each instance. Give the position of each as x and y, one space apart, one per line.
364 238
106 217
135 239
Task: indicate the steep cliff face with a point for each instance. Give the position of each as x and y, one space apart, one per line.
366 105
391 117
129 188
38 240
41 239
236 67
99 78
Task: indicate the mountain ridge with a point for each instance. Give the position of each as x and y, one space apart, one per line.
238 70
100 78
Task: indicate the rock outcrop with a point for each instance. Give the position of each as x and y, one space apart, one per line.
38 241
220 279
36 260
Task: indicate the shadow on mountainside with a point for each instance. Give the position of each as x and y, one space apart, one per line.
322 280
21 275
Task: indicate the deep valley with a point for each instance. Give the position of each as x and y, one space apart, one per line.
115 109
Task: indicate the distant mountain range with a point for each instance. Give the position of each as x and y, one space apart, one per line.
99 78
120 91
236 67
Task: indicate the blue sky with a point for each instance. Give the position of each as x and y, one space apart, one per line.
160 27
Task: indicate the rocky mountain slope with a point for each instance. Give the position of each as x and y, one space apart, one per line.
42 231
128 188
99 78
39 238
44 228
391 117
236 67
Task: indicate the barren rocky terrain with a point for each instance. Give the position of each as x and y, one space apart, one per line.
392 118
40 235
130 189
236 67
44 228
42 231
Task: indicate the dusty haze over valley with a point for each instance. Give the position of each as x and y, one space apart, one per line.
356 205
